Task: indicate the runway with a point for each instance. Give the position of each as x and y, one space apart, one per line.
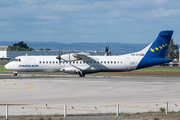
48 95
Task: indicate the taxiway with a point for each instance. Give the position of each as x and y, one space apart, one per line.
48 95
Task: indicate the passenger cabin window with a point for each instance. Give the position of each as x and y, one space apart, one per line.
39 62
43 62
46 62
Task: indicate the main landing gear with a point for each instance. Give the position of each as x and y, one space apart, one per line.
81 74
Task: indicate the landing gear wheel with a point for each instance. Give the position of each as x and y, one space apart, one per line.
81 74
15 74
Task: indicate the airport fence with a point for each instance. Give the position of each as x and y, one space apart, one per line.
65 110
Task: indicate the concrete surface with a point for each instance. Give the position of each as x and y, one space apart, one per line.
48 95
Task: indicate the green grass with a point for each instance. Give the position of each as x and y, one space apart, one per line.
159 69
3 69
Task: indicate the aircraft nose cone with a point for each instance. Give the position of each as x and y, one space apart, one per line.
6 66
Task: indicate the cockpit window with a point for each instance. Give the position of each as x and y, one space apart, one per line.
17 59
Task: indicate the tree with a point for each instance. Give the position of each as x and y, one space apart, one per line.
47 49
173 51
22 45
15 48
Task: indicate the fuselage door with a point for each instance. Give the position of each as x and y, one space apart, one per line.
128 65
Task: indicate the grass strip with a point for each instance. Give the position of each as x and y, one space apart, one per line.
159 69
3 69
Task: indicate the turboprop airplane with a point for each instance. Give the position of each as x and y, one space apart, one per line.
83 63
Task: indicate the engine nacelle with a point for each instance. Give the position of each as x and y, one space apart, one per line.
70 70
69 57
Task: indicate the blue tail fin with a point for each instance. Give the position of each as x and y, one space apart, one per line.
158 48
155 52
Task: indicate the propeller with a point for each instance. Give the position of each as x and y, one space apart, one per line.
59 57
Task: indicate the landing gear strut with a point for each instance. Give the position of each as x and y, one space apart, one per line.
81 74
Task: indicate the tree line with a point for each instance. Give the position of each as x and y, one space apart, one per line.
21 46
173 50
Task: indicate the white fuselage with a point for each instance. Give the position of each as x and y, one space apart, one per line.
90 65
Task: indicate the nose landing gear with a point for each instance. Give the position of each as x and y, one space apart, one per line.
15 73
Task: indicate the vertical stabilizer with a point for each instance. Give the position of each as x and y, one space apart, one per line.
155 52
158 48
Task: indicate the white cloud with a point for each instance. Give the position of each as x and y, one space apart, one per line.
159 1
49 17
90 18
47 31
164 13
4 23
6 3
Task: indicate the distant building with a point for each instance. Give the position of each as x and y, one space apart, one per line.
4 61
3 47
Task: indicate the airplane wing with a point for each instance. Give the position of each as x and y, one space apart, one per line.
82 55
77 56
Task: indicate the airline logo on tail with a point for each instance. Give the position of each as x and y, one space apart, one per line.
157 48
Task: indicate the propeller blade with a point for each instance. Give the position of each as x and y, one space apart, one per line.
61 51
59 57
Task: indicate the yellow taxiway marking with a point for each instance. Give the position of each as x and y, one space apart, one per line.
134 107
63 109
15 89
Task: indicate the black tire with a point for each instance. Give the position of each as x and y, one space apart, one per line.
15 74
81 74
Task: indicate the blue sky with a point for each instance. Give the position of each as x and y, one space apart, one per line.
73 21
